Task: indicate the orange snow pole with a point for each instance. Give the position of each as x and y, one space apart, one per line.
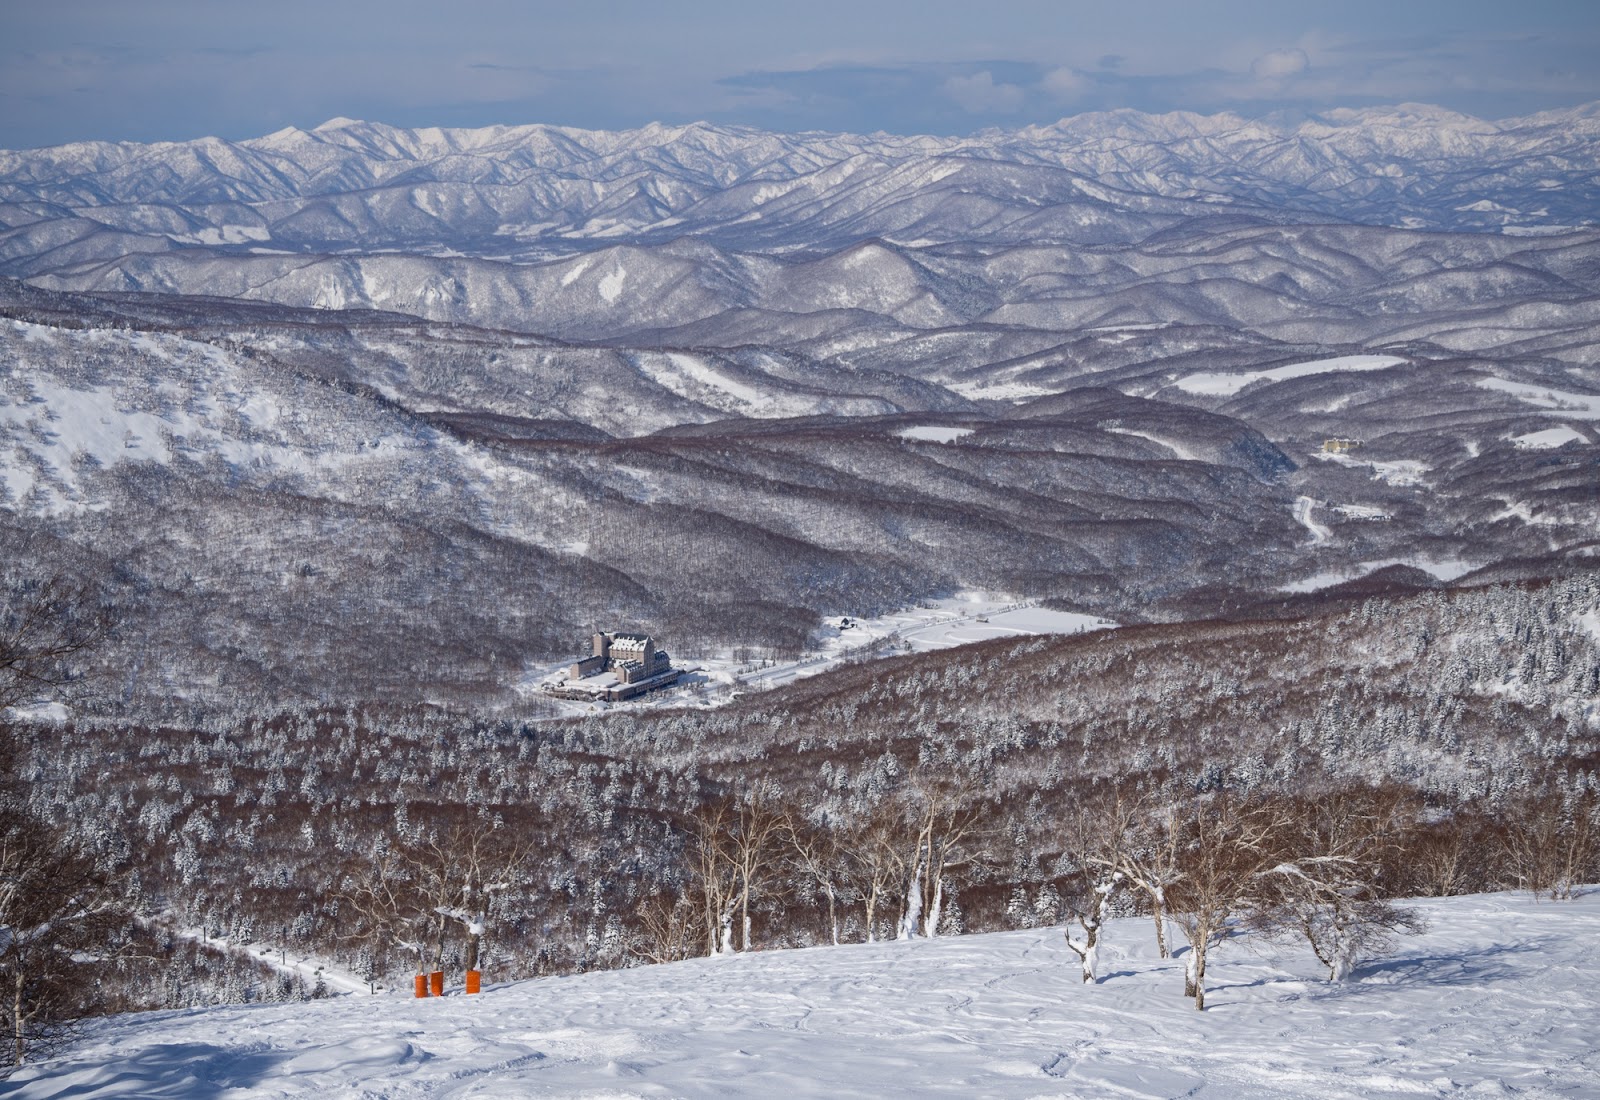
422 985
436 982
474 981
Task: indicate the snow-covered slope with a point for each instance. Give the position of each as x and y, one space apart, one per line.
1498 998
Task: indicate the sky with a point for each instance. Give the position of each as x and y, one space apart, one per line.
149 70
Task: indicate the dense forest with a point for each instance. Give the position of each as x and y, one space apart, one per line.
972 789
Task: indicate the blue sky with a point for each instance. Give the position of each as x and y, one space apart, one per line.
175 69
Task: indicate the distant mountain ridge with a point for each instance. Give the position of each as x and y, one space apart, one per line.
527 192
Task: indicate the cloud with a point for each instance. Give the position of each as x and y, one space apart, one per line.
1280 64
979 94
1065 83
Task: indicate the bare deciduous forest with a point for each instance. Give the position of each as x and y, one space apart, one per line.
1427 745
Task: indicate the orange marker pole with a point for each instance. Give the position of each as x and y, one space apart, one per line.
422 985
436 981
474 981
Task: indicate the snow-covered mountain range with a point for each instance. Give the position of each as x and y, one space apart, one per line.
589 357
515 190
1345 227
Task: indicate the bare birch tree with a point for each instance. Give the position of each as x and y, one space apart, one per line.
822 853
1551 841
58 914
45 623
1327 888
738 848
945 816
1225 845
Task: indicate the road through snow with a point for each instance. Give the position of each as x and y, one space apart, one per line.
1302 512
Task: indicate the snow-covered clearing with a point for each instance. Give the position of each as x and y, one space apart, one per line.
1590 621
174 399
1445 569
1178 450
958 620
1549 439
1500 997
998 391
611 285
1226 385
694 378
1577 406
1303 507
1401 471
934 433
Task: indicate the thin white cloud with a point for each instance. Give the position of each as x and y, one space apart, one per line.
979 94
1280 64
1065 83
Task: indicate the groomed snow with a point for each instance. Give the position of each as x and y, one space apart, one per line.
1498 998
1226 385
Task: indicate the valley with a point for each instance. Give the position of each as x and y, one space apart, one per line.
1024 510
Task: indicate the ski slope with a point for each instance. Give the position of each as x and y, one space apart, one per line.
1226 385
1500 997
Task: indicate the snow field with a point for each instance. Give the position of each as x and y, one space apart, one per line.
998 391
1576 406
934 433
1178 450
1549 439
1399 472
1226 385
1498 998
1444 569
206 404
693 378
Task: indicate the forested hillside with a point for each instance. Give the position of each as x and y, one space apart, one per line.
1469 715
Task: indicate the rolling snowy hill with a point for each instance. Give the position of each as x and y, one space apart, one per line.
1497 998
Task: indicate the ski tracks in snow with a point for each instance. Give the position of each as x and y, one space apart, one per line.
1497 998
